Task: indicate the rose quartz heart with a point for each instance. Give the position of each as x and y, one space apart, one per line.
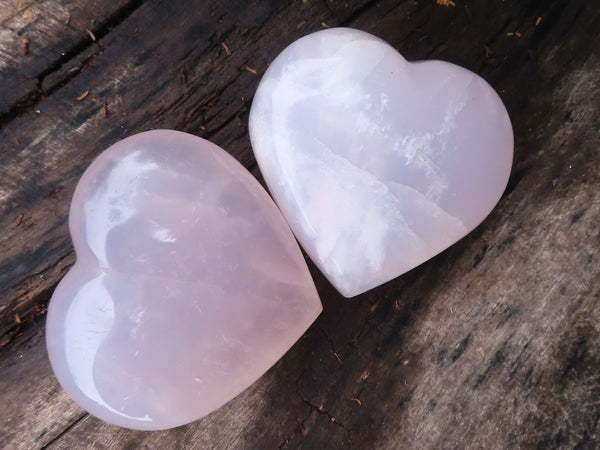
188 284
377 164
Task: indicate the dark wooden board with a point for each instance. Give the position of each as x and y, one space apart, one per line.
495 343
40 36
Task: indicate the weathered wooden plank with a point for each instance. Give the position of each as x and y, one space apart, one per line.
11 8
493 344
37 394
37 37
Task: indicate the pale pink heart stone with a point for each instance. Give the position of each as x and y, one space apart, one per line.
188 284
377 164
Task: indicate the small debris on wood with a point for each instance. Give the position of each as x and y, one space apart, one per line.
39 310
91 34
538 20
405 362
68 21
82 96
445 2
517 34
357 400
324 25
104 110
87 64
251 70
19 220
510 33
301 24
20 6
203 105
55 191
338 358
18 318
24 46
224 45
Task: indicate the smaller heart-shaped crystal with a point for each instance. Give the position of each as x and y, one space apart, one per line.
377 164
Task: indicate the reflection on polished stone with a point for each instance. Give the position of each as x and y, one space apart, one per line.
188 284
377 164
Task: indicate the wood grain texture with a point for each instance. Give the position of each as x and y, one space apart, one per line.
37 37
495 343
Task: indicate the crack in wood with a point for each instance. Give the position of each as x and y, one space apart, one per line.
64 432
25 303
37 95
358 13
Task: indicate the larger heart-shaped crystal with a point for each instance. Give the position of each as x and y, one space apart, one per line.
377 164
188 284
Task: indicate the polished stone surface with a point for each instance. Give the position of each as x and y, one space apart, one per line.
377 164
188 284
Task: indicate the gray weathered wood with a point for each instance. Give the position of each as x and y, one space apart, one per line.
36 37
495 343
